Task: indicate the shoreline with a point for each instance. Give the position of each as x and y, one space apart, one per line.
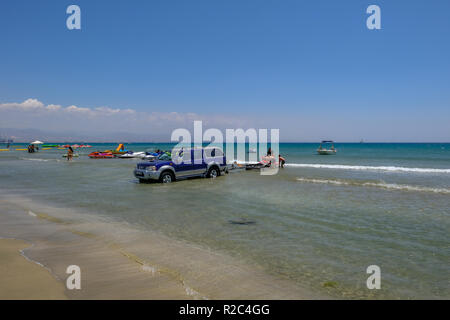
24 279
118 262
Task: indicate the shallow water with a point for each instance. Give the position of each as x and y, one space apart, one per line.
320 222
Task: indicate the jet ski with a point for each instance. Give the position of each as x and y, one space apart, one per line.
131 154
151 156
246 165
266 162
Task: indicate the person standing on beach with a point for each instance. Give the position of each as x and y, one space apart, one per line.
69 154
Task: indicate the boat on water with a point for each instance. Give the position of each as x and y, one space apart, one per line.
101 155
326 148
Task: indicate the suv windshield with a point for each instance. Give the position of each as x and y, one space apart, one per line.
164 157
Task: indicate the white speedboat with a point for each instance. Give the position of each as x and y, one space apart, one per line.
325 150
131 154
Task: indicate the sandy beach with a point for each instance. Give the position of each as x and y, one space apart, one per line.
137 267
24 279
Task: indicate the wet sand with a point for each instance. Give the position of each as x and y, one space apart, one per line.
118 262
23 279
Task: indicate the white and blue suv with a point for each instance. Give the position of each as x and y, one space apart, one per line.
183 163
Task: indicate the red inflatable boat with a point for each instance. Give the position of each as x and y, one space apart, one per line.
101 155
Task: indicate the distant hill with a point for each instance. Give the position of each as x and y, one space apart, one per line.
27 135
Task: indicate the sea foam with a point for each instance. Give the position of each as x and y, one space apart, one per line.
390 186
367 168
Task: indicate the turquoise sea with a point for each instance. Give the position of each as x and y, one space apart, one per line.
319 223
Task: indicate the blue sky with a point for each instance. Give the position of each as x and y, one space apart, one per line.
295 62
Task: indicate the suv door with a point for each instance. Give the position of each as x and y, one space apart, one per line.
183 168
198 164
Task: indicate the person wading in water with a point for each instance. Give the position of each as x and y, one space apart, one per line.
281 161
69 154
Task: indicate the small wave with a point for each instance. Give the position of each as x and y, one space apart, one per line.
40 160
34 159
390 186
367 168
31 213
150 269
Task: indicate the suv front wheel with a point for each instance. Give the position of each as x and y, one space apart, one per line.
166 177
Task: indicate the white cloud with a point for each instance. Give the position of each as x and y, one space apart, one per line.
34 114
36 105
104 120
53 107
77 109
29 104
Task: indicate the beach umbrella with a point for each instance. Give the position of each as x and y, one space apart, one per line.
37 142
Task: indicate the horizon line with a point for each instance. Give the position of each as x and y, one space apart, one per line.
174 142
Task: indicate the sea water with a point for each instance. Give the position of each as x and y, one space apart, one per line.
319 223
